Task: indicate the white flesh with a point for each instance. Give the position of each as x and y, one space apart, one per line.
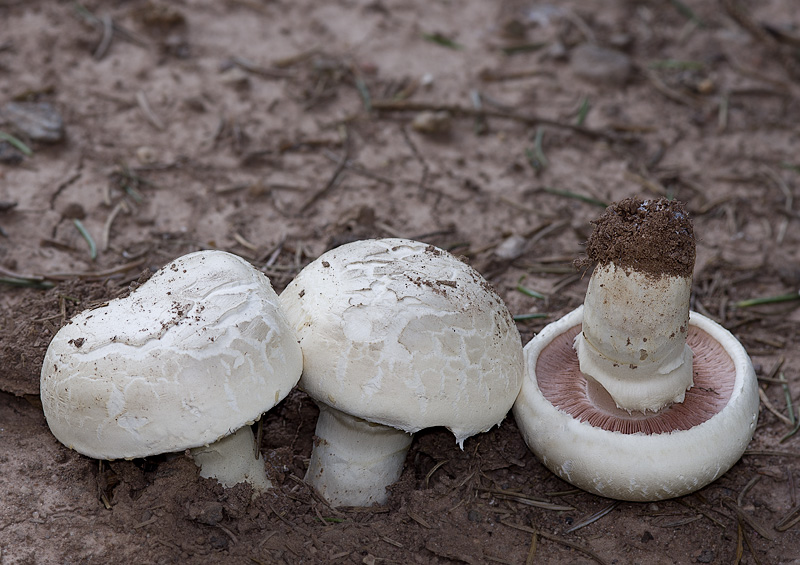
353 461
232 460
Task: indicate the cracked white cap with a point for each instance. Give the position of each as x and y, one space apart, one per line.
404 334
198 351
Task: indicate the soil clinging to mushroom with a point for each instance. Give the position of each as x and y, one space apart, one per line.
650 236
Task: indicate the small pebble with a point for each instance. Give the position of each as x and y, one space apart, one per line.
704 556
595 63
511 248
218 541
146 155
9 155
208 513
432 123
38 121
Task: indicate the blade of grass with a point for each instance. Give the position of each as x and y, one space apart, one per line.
791 433
538 152
19 145
576 196
523 317
583 111
686 11
88 237
767 300
522 48
676 64
527 291
441 40
28 283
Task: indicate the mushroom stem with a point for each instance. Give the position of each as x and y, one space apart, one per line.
231 461
633 342
353 461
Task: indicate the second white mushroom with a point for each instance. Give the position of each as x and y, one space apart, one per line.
397 336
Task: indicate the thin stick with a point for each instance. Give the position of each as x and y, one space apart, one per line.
527 500
592 518
425 169
335 177
83 12
746 489
244 243
576 196
358 170
155 121
457 110
792 518
768 405
108 35
788 395
120 207
432 471
722 116
739 542
668 92
556 539
749 520
530 558
64 276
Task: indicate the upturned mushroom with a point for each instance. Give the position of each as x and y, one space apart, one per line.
397 336
632 396
188 360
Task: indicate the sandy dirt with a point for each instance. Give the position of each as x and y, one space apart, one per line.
277 130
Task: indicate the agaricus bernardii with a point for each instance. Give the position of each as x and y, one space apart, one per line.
188 360
397 336
632 396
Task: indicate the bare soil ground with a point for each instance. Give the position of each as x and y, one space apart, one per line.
278 129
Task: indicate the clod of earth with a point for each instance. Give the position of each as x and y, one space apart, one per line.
37 121
397 336
188 361
632 396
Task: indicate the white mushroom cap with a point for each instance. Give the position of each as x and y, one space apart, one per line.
638 466
403 334
198 351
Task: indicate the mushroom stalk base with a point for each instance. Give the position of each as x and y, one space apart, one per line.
633 341
232 460
353 461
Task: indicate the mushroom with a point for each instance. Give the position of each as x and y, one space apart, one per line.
631 395
397 336
188 360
